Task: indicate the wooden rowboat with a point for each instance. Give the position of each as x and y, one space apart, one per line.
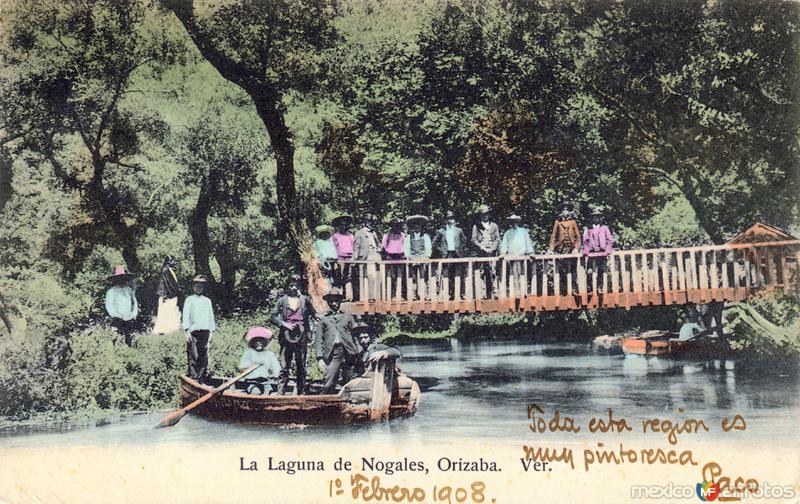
706 348
381 394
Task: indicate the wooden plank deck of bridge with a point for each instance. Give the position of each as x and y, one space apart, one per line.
631 278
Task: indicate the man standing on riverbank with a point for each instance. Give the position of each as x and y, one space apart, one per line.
336 349
199 324
121 304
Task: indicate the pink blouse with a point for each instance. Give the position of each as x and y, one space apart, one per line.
344 245
395 245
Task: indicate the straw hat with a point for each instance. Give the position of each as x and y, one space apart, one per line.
334 294
514 217
483 209
323 229
342 220
200 279
417 219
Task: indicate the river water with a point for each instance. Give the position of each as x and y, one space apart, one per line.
481 390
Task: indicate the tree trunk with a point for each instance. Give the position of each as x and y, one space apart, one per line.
6 176
267 101
294 227
198 229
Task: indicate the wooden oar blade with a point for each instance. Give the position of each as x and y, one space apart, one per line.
171 419
175 416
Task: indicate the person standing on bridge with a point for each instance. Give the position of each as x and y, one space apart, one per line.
393 250
450 242
417 247
367 247
343 240
326 251
566 239
516 242
486 240
598 244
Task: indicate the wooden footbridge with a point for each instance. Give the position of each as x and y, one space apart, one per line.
629 278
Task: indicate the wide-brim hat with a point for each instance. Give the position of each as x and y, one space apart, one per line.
323 229
362 327
120 273
484 209
597 211
343 219
514 217
200 279
257 332
334 294
417 219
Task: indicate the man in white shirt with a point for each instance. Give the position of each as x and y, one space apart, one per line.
199 324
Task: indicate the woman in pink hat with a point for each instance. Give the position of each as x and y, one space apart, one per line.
121 304
257 339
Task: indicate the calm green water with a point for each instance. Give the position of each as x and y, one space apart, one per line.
482 390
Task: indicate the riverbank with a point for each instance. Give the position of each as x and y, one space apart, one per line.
96 377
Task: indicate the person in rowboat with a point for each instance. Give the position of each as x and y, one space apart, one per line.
257 339
337 351
294 313
371 350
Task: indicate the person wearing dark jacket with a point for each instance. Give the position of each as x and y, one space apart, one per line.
451 242
486 241
336 350
294 314
371 350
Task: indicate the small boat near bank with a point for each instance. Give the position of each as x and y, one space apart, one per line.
382 394
668 345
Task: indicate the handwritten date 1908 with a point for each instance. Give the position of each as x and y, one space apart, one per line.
370 489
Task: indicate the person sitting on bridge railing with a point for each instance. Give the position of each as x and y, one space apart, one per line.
598 244
451 242
417 246
486 241
516 242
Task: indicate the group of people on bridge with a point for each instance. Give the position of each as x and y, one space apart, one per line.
409 241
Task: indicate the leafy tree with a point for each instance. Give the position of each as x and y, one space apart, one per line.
269 49
76 62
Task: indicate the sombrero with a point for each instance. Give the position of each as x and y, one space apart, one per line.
334 293
257 332
417 219
120 273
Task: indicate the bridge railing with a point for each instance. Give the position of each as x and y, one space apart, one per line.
624 278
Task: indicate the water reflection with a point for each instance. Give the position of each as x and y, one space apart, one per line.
482 389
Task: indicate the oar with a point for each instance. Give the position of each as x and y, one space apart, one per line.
175 416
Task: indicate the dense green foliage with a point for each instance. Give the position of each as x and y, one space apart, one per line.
130 130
